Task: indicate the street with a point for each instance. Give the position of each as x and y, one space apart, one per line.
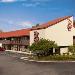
12 65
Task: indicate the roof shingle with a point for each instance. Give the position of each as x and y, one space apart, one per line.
17 33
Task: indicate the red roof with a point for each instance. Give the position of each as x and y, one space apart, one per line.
50 23
17 33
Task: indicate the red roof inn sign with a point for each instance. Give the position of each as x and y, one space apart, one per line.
69 26
36 36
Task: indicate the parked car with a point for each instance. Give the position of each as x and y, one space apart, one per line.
2 49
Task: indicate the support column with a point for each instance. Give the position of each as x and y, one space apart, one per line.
53 50
18 48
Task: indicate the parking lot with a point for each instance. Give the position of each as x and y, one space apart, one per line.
10 64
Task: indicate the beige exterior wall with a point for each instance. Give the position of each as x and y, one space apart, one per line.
73 31
63 50
41 35
58 33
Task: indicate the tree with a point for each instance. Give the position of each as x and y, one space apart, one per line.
72 49
37 25
43 46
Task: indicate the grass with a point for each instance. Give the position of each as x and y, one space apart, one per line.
55 58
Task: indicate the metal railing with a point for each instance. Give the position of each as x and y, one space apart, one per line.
23 42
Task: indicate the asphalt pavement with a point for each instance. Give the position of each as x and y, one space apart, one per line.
10 64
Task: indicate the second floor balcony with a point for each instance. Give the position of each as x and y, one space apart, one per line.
23 42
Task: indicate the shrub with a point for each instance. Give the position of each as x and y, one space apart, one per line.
42 47
56 58
72 49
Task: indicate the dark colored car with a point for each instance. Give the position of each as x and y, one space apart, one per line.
2 49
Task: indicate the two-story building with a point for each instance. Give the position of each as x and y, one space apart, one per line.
15 40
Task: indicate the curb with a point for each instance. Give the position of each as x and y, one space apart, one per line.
52 61
24 58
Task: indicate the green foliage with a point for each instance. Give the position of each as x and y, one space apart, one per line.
56 58
43 45
72 49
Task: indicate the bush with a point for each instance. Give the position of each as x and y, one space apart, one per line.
55 58
72 49
42 47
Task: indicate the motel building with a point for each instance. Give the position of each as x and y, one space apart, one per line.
60 30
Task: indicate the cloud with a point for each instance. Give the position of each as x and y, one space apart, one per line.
6 21
17 23
41 0
10 22
8 0
26 24
31 4
30 1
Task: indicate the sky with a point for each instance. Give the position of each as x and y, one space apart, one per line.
22 14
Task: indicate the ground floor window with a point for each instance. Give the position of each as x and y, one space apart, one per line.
7 47
16 47
73 39
57 51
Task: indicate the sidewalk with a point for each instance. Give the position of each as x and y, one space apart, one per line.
18 52
52 61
